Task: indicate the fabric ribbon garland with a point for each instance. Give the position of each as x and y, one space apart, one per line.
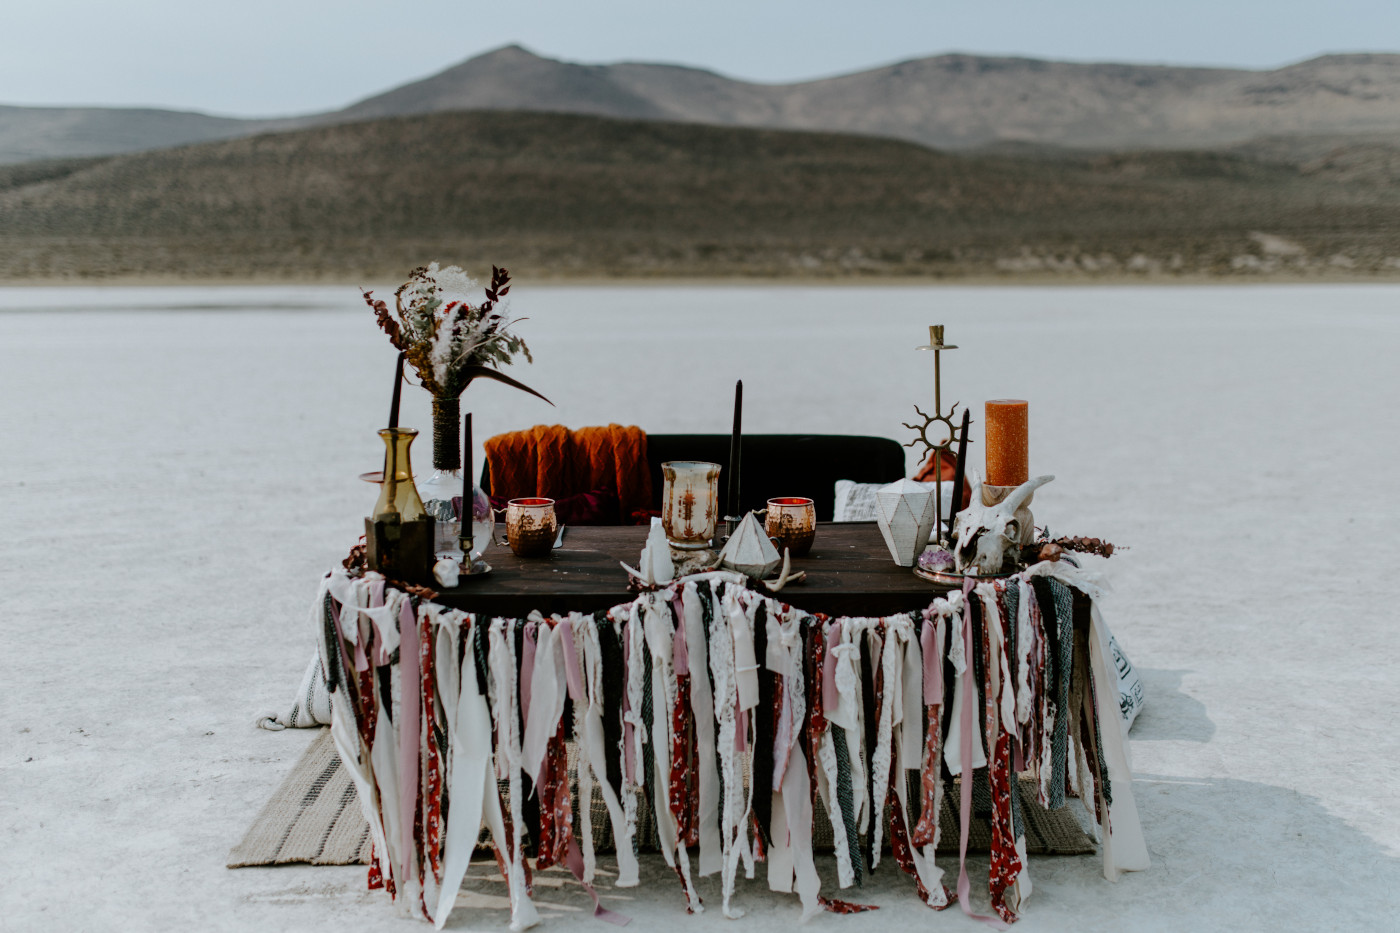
434 710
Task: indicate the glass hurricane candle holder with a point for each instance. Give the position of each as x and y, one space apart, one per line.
690 503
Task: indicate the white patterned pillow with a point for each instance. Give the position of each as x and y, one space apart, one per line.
855 502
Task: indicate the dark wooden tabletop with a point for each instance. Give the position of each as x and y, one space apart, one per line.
849 573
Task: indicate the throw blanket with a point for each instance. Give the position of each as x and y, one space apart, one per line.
555 462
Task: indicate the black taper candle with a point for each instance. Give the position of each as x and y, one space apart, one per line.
959 471
398 391
735 450
467 484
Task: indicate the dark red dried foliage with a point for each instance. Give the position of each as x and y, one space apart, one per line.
1088 546
386 320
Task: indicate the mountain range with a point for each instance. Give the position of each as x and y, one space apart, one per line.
581 196
950 101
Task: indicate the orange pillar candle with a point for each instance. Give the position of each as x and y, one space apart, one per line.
1008 442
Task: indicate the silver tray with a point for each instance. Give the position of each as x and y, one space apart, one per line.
953 578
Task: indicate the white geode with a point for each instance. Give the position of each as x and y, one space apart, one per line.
446 572
749 551
905 513
657 567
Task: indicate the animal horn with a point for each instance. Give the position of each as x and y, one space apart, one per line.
1022 493
976 483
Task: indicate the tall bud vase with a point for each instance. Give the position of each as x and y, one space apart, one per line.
398 536
446 479
398 499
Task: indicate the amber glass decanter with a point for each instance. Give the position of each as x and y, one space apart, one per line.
398 497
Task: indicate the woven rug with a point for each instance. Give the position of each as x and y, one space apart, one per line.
314 817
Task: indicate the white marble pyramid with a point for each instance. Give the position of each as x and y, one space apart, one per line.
749 551
905 513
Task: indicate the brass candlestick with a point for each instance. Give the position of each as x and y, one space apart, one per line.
939 417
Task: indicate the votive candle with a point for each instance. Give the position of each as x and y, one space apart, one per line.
1008 442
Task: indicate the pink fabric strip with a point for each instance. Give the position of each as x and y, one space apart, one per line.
572 673
965 727
574 859
741 728
933 664
410 686
527 673
830 698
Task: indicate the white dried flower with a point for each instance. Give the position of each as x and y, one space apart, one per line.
453 283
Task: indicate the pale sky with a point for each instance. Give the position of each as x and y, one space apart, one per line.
273 57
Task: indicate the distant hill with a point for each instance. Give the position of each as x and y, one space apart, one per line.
32 133
946 101
572 195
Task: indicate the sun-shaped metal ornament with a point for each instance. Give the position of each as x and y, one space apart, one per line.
939 417
929 422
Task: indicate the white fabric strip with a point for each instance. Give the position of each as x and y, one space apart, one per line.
663 689
503 668
1124 847
726 707
469 731
702 706
627 868
745 664
911 716
1025 646
882 758
963 693
345 732
932 874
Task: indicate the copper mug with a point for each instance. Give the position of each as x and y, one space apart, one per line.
531 526
791 521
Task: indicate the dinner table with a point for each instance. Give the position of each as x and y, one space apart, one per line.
730 712
848 572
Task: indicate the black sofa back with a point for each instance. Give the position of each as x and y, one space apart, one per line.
775 465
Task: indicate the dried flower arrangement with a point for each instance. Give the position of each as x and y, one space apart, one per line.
449 341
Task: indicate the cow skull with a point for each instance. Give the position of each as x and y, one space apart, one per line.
988 534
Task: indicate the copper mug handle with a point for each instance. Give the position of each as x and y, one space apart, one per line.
498 518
